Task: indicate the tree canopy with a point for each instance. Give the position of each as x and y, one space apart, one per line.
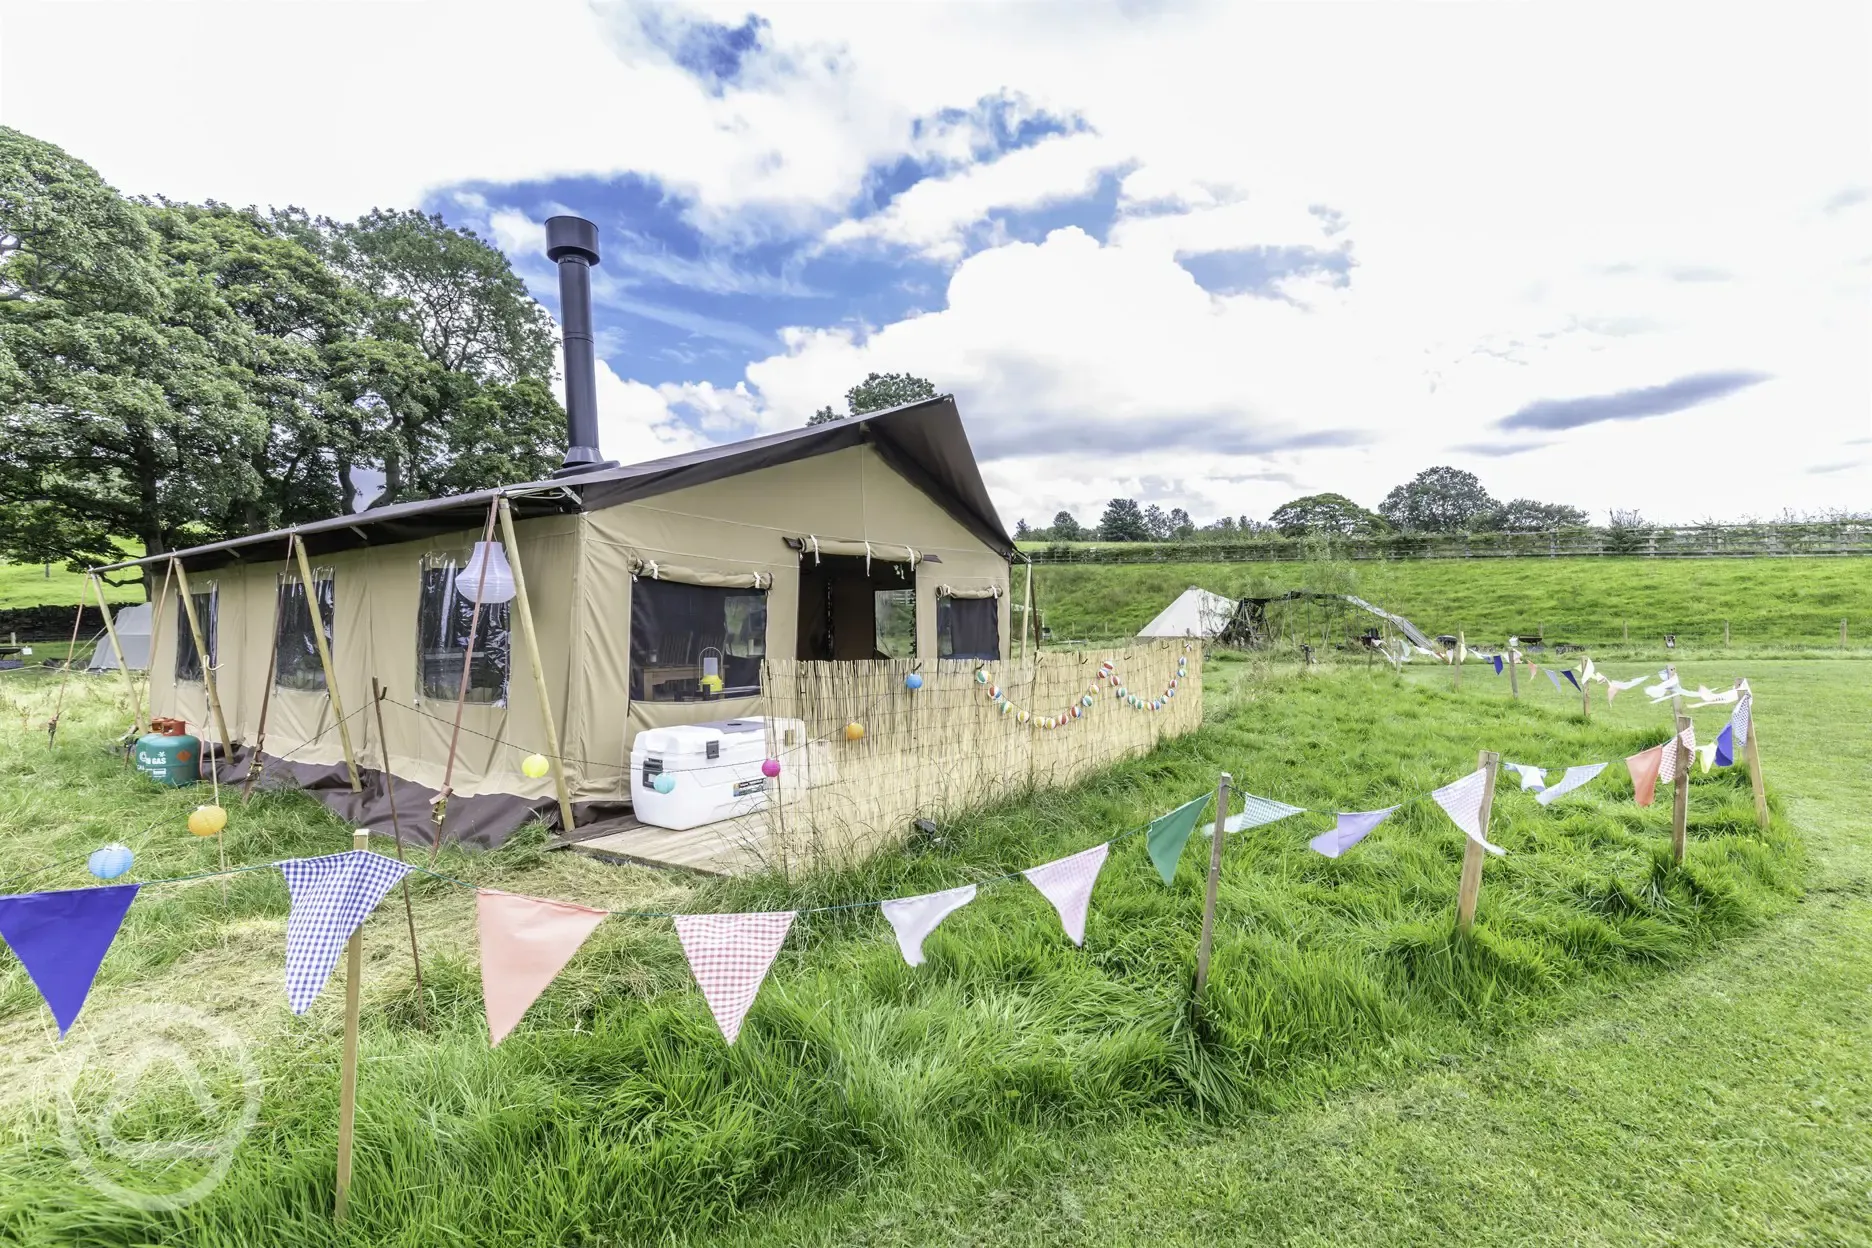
1437 500
1123 521
875 393
173 373
1333 514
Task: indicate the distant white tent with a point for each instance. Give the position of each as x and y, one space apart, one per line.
1195 613
133 633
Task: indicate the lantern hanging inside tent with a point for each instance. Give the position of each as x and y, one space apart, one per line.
499 584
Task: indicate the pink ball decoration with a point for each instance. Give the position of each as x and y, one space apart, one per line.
770 768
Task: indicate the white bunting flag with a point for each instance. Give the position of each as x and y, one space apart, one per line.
1351 828
916 917
1255 812
1575 776
1666 688
1531 777
729 955
1705 697
1739 718
1591 671
1667 767
1462 802
1616 687
1067 883
1706 757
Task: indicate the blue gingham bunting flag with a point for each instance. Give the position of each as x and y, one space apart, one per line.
330 897
1257 811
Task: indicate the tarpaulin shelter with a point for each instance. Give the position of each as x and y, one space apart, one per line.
133 635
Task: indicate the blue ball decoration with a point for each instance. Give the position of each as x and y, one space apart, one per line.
664 782
111 861
913 681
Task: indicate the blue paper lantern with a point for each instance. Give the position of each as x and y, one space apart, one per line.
664 782
913 681
111 861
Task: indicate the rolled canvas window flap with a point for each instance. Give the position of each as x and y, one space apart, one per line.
659 571
811 544
968 591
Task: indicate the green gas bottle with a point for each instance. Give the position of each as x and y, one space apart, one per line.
168 755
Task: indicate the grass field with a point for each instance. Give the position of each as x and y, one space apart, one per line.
1783 604
33 585
1011 1082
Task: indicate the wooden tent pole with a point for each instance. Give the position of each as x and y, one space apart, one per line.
162 600
461 693
201 652
71 648
533 657
325 660
110 627
254 764
396 829
1027 614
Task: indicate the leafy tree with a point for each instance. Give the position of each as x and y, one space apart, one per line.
1437 500
875 393
1156 523
1181 526
1066 528
1328 514
1022 533
1524 515
1123 521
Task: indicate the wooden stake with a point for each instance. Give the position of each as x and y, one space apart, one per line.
71 648
110 628
1676 698
347 1073
1514 660
1680 791
1625 626
1842 634
461 693
325 663
1752 754
254 764
1585 693
201 652
1470 890
533 658
1215 881
1456 660
1027 615
1725 632
396 830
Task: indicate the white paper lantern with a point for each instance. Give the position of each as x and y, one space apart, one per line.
499 585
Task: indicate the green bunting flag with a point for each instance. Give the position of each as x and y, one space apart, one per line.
1169 833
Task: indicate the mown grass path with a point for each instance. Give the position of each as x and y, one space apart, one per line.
1729 1102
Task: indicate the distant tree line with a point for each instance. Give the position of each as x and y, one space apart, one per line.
1436 500
175 373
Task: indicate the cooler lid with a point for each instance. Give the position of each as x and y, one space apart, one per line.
681 739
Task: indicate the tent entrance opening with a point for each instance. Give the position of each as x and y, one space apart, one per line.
847 611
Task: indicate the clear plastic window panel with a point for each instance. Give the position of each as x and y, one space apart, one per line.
444 616
693 643
188 664
295 650
896 622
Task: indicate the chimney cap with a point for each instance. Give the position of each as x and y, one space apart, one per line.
571 236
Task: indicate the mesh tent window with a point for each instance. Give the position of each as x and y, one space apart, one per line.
895 610
188 664
295 650
968 628
682 634
443 617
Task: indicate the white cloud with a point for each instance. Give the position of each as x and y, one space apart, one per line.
1522 195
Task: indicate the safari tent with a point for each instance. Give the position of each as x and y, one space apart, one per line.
802 578
1193 613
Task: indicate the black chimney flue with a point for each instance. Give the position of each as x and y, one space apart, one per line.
572 244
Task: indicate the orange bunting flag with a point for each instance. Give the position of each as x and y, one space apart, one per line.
525 943
1644 773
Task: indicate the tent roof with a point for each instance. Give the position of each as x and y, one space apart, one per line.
924 441
1195 613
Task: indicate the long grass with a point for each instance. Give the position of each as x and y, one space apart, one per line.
615 1113
1769 604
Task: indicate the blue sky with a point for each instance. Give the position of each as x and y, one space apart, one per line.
1200 253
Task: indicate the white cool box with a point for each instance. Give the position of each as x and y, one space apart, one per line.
716 769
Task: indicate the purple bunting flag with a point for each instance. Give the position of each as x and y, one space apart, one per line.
1351 828
1725 746
61 938
1568 673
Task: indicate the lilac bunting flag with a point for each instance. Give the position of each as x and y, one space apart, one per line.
1725 746
1067 883
1574 778
61 939
914 918
331 896
729 954
1555 677
1498 663
1461 800
1351 828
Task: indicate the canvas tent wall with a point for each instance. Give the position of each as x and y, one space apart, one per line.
892 498
133 634
1194 613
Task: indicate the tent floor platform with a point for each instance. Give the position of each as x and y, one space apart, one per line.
731 847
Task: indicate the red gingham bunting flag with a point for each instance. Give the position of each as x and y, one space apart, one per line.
1067 883
1667 767
730 954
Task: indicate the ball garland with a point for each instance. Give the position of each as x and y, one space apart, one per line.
770 768
207 820
110 861
664 782
913 681
534 766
